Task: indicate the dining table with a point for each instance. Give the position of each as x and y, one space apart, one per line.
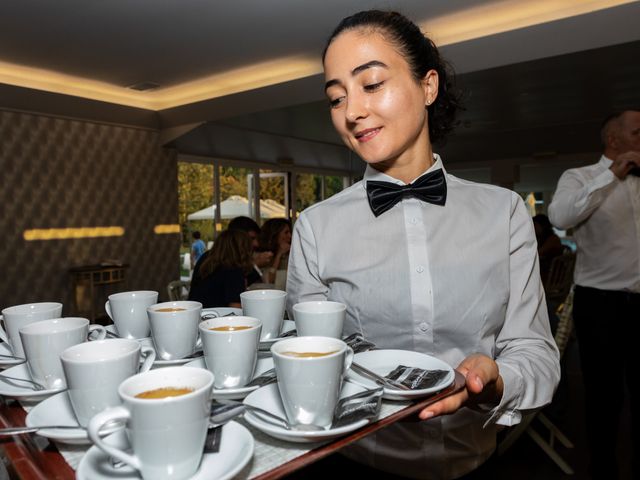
32 457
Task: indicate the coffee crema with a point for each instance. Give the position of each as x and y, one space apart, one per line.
230 328
171 309
307 354
165 392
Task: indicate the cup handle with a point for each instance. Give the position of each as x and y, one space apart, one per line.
149 355
348 358
119 413
107 308
101 335
3 335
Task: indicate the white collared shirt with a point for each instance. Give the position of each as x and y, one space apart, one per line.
604 212
447 281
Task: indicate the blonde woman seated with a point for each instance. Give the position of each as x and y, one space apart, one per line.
219 276
275 237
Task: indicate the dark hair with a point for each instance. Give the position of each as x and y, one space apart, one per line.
232 249
196 234
244 224
421 54
545 223
270 231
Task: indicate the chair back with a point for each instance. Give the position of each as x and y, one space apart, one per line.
565 323
178 290
560 277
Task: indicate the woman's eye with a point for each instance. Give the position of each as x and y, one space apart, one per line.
335 102
373 87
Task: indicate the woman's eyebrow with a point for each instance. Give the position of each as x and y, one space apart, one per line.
359 69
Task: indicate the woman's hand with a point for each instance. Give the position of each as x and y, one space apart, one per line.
484 385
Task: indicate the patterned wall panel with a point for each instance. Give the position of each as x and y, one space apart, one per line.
57 173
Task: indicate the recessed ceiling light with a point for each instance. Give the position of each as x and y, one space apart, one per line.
144 86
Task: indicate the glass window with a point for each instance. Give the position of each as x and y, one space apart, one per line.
236 197
308 190
195 200
274 195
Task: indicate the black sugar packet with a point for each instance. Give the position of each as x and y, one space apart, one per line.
417 378
356 407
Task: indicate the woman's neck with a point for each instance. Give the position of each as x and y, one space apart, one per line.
407 170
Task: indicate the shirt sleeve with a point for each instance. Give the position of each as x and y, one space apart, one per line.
526 353
577 197
303 278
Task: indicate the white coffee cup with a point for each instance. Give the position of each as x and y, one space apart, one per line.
20 315
319 318
310 385
268 306
231 355
45 340
128 310
166 435
94 370
174 328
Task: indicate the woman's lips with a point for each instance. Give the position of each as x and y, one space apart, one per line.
368 134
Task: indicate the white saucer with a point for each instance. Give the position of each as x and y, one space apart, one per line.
287 325
12 389
236 449
8 362
268 398
384 361
220 311
112 328
57 410
159 362
239 393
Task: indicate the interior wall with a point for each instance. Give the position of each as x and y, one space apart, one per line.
60 173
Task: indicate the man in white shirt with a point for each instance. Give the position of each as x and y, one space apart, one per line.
601 203
448 281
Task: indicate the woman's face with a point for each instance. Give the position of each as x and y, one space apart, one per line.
377 106
285 235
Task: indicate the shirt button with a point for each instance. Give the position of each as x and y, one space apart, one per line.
414 220
424 327
420 269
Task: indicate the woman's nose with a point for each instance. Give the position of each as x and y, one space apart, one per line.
356 109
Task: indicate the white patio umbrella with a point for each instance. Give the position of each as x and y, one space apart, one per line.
236 206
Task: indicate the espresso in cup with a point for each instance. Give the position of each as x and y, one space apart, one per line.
174 328
167 433
308 354
230 328
231 352
164 392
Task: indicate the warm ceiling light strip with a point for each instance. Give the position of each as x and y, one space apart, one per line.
507 15
162 229
487 19
71 233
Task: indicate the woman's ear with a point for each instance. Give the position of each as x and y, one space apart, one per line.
430 87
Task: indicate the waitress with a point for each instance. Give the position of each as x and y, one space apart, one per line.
423 260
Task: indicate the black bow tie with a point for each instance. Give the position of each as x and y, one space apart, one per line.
431 188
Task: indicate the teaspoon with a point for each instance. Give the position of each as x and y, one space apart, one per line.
223 412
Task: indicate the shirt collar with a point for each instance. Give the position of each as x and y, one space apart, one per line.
605 161
371 173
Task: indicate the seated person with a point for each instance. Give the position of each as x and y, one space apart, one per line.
261 259
220 276
275 237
